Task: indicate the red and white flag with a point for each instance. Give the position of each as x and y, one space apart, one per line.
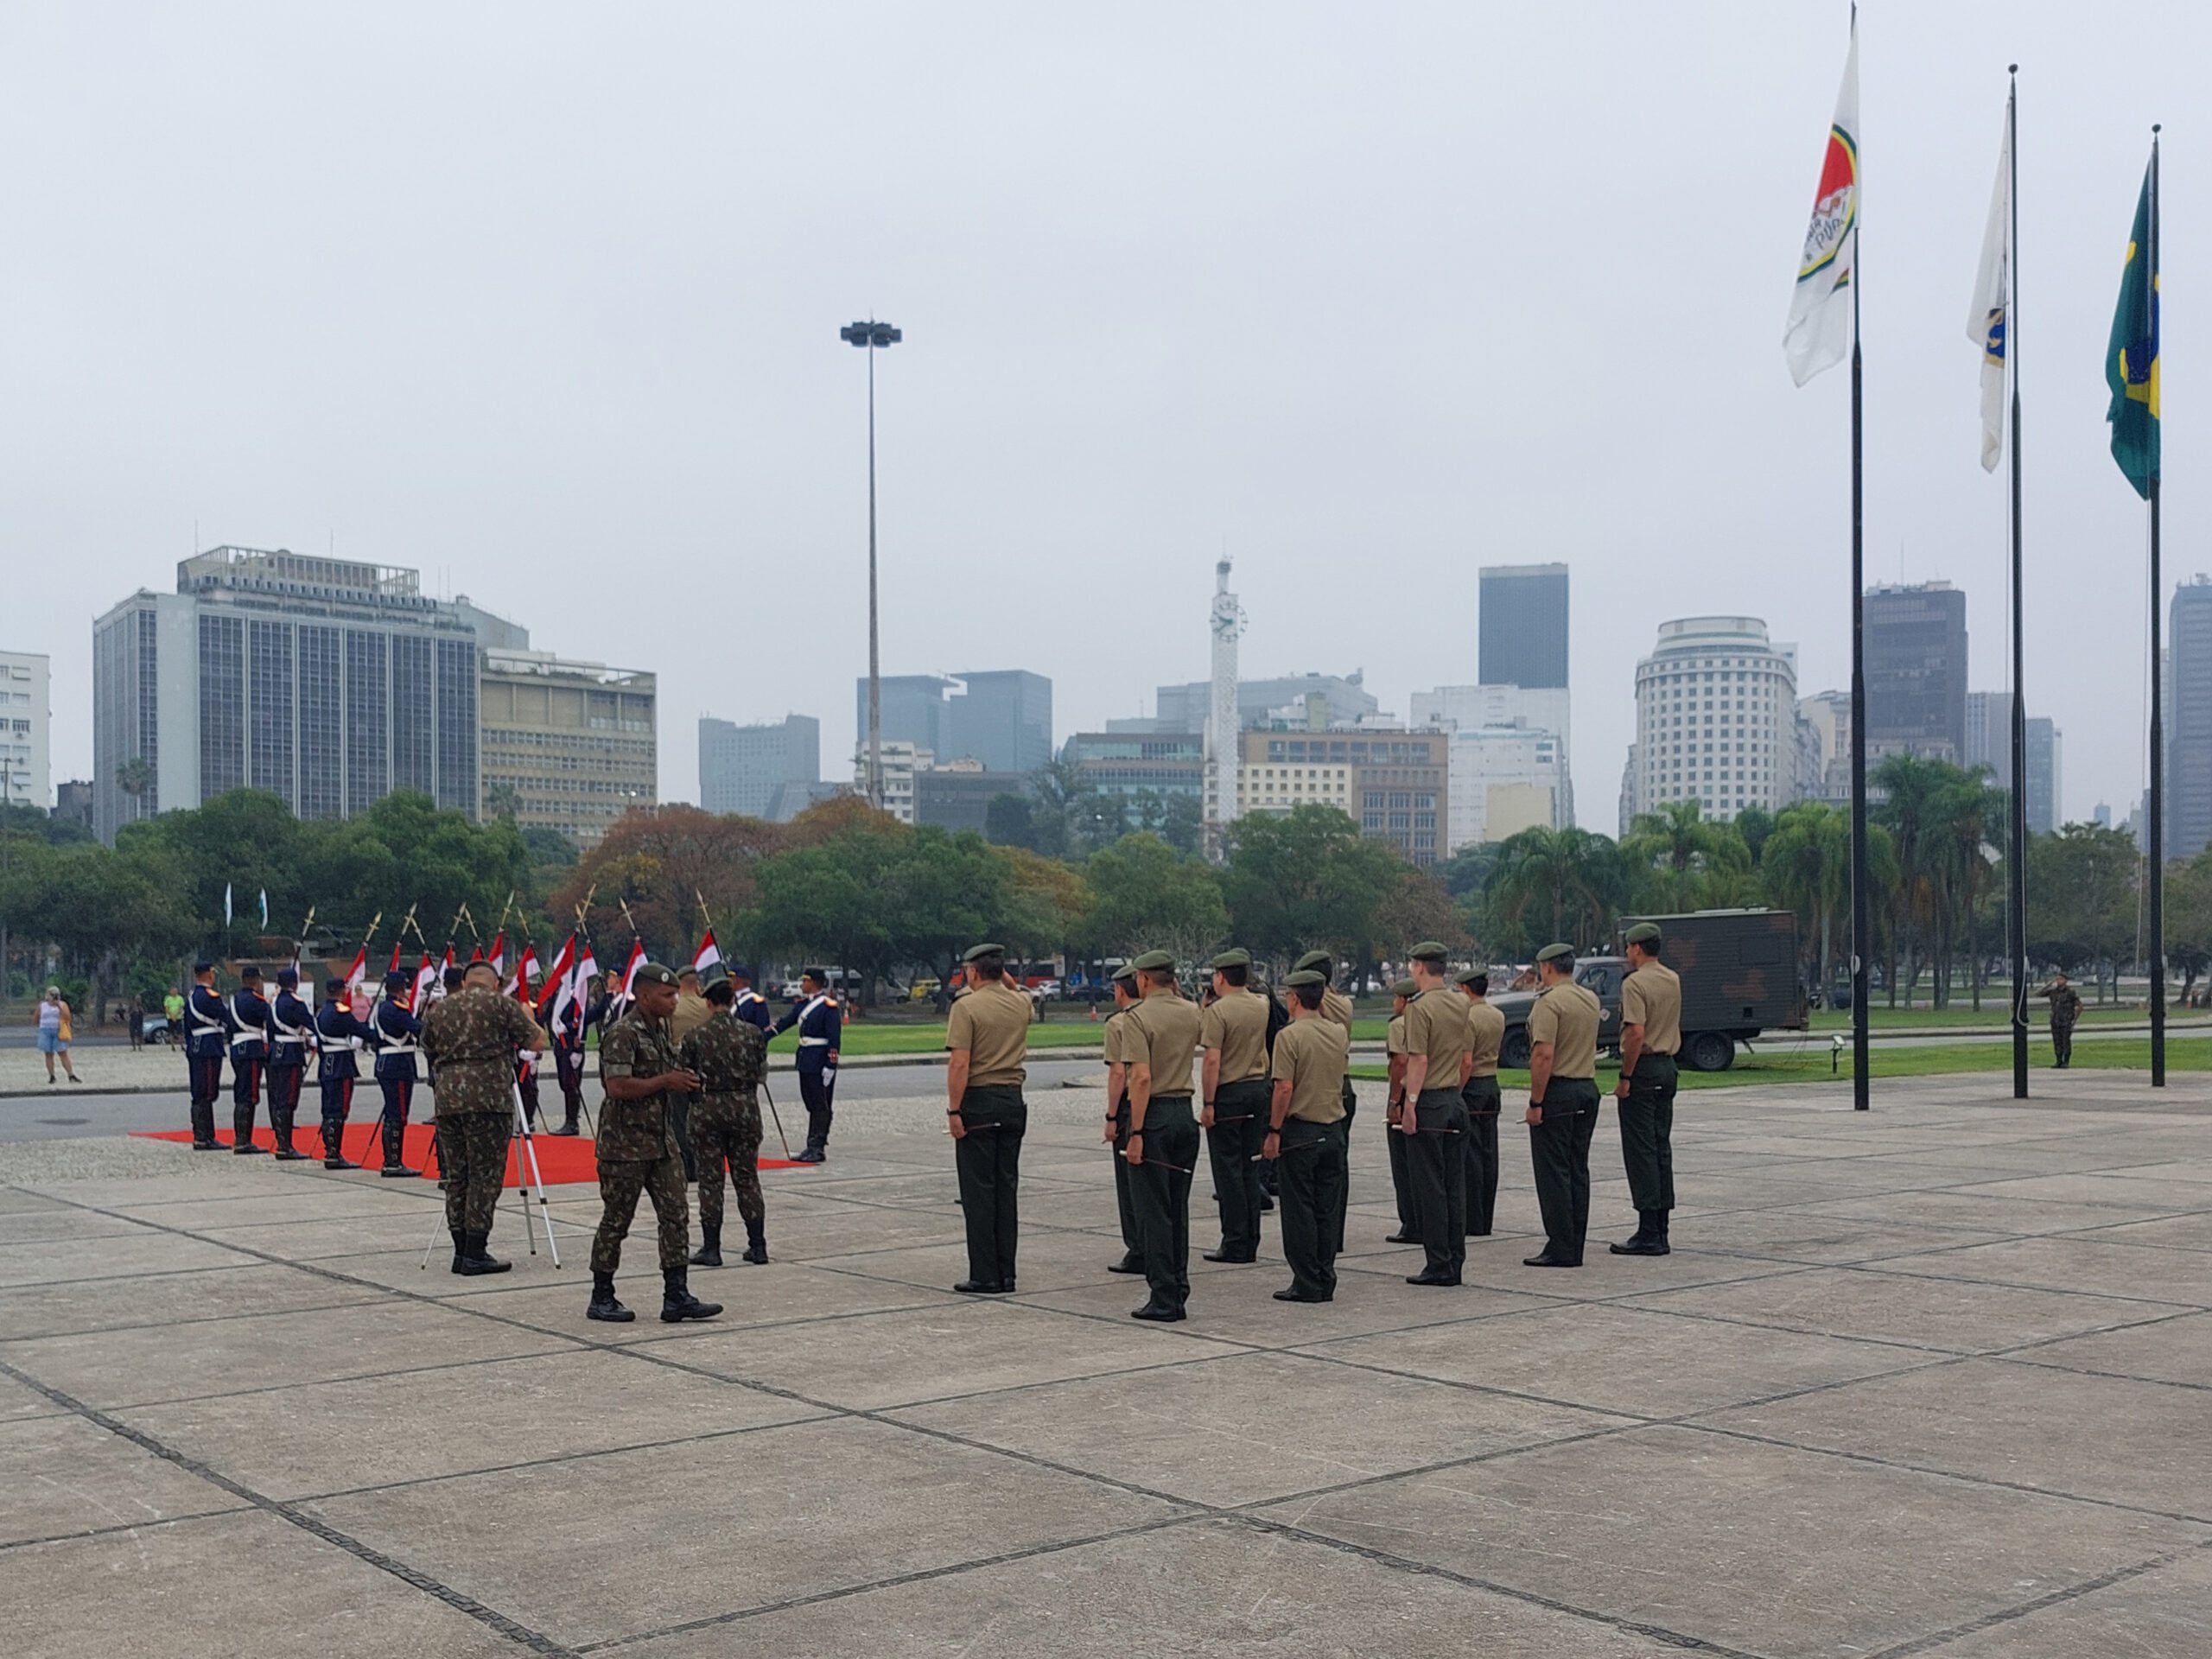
357 983
629 973
558 979
426 975
499 956
708 954
576 1000
526 971
1819 333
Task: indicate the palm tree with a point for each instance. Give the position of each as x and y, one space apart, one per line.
1572 875
1967 816
1910 784
1806 863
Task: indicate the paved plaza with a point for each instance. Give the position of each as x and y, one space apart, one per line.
1930 1380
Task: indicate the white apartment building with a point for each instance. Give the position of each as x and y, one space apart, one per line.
1510 769
1716 719
901 761
26 699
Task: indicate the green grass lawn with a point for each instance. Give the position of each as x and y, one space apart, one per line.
1995 1011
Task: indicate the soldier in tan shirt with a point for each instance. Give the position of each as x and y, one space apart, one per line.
1233 1029
1117 1115
1485 1032
1562 1104
986 1036
1336 1007
1402 992
1651 1035
1436 1117
1306 1138
1159 1044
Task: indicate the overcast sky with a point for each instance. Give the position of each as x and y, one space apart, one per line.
543 300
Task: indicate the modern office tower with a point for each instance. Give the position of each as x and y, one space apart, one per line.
902 764
1510 768
327 682
72 801
1716 718
565 745
1395 785
1000 717
1989 743
959 796
26 735
1165 764
2189 719
1522 626
1916 672
1186 708
742 768
1826 716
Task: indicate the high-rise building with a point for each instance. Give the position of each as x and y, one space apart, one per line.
959 796
1522 626
902 764
1510 765
566 745
1186 708
1716 718
1916 672
327 682
1136 763
1000 717
2188 720
26 733
1395 785
1824 747
1989 743
742 768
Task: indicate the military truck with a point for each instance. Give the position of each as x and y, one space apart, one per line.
1740 978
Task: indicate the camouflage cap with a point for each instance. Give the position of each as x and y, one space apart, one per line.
1154 962
978 952
1428 950
1304 977
1644 933
1321 959
1559 952
1232 959
653 973
1405 988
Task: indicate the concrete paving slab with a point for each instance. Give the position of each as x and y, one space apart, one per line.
64 1475
779 1293
2162 1613
172 1299
2075 1262
235 1583
1978 1212
2167 1350
728 1524
1237 1305
1761 1549
123 1255
1057 1259
2189 1232
1812 1237
32 1226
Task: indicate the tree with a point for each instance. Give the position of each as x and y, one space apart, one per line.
1418 906
1567 884
103 909
1806 862
1008 821
1144 895
2188 919
1677 859
2081 894
1307 880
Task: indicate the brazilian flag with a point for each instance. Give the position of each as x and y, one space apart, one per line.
2132 357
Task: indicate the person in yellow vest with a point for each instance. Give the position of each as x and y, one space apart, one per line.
1485 1032
1562 1104
1651 1035
987 1040
1233 1030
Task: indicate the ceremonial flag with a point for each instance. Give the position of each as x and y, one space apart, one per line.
357 980
426 975
499 956
1989 318
708 955
226 904
579 985
1819 331
2132 357
525 970
265 907
629 973
557 978
394 967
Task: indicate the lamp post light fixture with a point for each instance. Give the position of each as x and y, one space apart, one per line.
872 335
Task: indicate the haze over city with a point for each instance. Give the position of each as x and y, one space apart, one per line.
549 312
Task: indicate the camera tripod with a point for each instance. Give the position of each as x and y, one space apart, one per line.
529 1181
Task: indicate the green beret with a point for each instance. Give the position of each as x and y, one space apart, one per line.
1321 959
1154 962
1469 975
653 973
978 952
1644 933
1304 977
1556 953
1428 950
1405 988
1232 959
716 973
1126 974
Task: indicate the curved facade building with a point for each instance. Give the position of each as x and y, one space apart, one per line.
1716 719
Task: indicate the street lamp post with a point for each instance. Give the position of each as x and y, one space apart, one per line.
870 335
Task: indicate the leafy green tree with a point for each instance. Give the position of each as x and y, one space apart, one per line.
1307 880
1563 884
2082 896
1677 859
103 909
1144 895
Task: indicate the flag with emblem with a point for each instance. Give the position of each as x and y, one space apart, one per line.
2132 356
1819 331
1989 316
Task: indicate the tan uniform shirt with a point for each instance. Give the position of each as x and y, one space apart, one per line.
1113 1041
1652 997
1394 1035
1436 1024
690 1013
1566 1016
1163 1033
1311 1054
992 1025
1237 1025
1485 1031
1336 1005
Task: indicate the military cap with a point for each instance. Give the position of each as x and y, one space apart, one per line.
249 971
819 975
1428 950
654 973
287 975
1154 962
397 980
1405 988
1469 975
1561 952
686 972
456 975
716 973
1232 959
739 969
1304 977
978 952
334 985
1126 974
1644 933
202 965
1321 959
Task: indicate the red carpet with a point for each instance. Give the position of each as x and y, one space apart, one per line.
563 1159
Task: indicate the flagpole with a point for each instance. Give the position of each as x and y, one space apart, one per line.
2016 896
1862 930
2157 803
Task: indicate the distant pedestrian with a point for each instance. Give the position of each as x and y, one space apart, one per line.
54 1033
136 1015
2065 1010
173 1011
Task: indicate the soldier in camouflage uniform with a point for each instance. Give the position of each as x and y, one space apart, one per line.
730 1058
471 1038
637 1153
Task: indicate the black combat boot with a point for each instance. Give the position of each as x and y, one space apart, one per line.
333 1143
476 1255
1650 1238
460 1249
756 1243
283 1124
242 1130
203 1129
393 1135
603 1305
679 1304
568 1117
709 1253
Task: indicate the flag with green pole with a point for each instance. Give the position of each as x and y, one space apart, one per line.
2132 357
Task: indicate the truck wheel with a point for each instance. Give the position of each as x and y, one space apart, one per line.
1513 1050
1710 1050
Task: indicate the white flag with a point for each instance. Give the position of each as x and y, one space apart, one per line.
1989 319
1818 333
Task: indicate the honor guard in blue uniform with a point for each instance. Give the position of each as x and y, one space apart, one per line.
207 1033
568 1062
746 1004
821 1028
396 1033
340 1036
246 1014
291 1034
